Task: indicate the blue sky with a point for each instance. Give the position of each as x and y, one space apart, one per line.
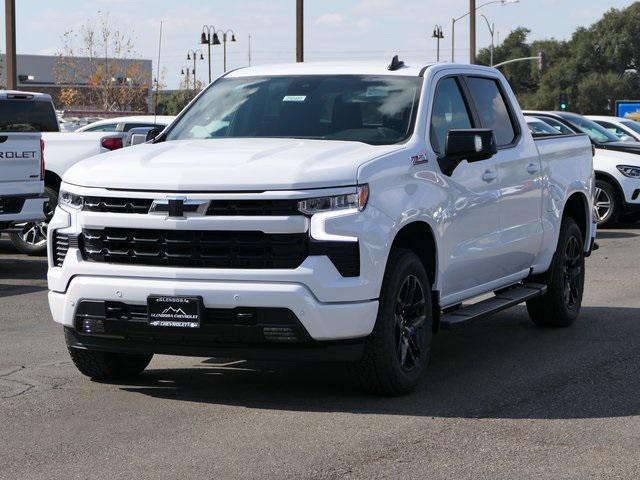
334 29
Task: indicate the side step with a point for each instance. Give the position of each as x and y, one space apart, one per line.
502 301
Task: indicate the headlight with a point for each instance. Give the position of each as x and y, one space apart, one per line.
337 202
71 200
629 171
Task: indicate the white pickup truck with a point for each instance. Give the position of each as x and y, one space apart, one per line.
344 212
34 113
21 177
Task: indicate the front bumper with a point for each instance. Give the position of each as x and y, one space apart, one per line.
321 321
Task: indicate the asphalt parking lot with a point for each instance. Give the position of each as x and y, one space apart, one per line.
502 399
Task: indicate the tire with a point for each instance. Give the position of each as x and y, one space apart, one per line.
606 204
32 240
560 306
397 352
108 365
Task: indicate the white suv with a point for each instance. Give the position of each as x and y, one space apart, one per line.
321 211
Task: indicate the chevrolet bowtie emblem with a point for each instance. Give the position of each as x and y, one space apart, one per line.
179 207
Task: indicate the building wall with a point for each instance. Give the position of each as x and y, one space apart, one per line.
37 73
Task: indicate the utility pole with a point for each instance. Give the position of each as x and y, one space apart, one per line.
472 38
10 22
299 30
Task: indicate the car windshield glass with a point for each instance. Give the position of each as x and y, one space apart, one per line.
538 127
633 125
27 116
596 132
377 110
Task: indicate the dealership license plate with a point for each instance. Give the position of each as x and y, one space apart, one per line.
178 312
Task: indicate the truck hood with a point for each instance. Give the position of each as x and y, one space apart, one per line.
228 165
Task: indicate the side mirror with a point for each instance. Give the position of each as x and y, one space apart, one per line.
472 145
153 133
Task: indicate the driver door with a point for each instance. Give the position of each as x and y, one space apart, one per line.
470 245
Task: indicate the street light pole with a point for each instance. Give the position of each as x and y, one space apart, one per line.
438 35
205 39
194 54
492 30
478 7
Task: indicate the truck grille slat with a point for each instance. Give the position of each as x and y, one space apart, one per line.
222 208
61 244
204 249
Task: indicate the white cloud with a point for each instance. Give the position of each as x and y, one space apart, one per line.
330 19
364 24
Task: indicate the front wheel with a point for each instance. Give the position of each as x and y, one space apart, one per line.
397 352
560 306
32 237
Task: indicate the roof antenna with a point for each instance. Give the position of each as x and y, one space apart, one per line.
395 64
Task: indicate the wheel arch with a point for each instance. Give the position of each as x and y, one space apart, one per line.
418 236
577 207
600 175
51 179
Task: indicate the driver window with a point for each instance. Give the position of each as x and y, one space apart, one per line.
449 113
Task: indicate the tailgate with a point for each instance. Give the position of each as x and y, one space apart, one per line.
19 163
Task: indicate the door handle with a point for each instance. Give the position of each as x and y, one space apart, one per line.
533 168
489 175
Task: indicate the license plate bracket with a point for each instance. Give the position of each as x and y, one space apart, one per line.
174 311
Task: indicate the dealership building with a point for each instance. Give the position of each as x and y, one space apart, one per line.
42 73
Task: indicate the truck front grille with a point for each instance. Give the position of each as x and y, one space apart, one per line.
204 249
221 208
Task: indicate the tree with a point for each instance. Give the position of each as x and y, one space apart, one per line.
114 79
596 66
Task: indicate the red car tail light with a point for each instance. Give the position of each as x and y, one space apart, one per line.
111 143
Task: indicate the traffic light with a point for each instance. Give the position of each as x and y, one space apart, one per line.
564 102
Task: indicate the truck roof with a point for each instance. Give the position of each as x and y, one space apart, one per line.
410 69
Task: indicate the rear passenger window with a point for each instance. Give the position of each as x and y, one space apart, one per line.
492 109
449 113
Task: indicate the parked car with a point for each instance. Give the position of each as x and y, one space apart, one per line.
539 128
617 172
600 136
35 113
321 211
124 124
21 168
624 128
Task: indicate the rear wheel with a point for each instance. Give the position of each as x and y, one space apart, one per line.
398 350
32 237
108 365
560 306
606 204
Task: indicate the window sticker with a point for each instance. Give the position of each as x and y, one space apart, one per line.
294 98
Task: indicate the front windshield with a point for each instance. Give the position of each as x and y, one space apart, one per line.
377 110
596 132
